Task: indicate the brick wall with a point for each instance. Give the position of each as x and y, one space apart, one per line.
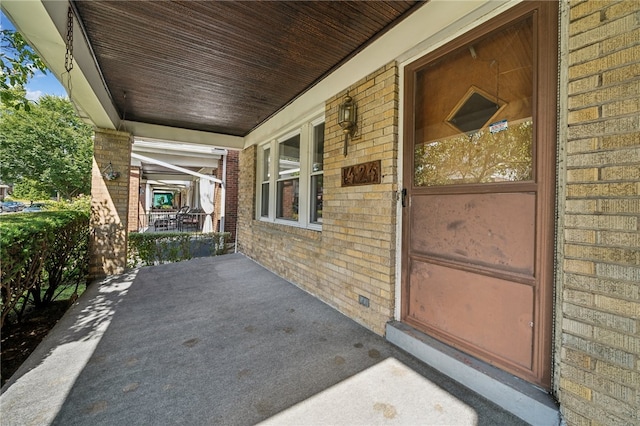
598 355
109 203
217 202
231 209
135 200
599 361
355 252
247 199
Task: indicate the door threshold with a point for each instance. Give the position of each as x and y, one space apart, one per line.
513 394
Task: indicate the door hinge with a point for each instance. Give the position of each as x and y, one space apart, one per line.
403 197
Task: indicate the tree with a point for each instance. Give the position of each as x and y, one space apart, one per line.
18 63
28 189
48 148
478 157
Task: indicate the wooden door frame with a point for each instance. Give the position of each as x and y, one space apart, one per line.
545 75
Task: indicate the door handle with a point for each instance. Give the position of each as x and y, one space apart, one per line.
404 197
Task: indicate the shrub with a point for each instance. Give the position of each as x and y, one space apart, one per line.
41 253
156 248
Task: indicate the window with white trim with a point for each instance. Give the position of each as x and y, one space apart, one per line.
288 182
266 175
290 177
317 175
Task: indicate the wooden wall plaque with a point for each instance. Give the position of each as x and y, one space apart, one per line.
361 174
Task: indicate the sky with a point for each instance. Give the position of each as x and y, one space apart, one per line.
40 84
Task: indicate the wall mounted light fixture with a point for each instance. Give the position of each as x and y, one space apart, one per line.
109 173
347 118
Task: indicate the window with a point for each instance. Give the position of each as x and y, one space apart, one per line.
290 177
266 173
486 135
317 153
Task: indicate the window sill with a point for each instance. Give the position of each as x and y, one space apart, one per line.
312 231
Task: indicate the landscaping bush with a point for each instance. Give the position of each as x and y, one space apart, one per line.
42 253
156 248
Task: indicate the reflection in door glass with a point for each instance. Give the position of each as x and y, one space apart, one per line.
478 157
474 112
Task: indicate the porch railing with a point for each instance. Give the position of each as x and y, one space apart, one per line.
171 221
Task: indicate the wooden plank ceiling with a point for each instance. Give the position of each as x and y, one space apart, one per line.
224 66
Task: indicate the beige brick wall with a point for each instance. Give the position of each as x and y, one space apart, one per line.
109 203
599 380
355 252
246 199
598 356
135 200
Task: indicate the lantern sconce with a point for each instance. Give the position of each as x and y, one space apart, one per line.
109 173
347 118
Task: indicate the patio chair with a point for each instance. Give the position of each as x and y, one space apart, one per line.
190 220
174 220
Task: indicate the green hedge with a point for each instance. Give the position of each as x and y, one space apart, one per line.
41 252
156 248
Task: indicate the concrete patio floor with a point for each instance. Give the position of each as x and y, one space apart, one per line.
223 341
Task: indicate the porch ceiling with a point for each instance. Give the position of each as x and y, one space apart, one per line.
224 66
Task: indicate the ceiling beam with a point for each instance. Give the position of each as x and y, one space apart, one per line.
172 167
174 134
183 160
141 144
168 179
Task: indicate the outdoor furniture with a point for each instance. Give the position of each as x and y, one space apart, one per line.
161 222
191 220
165 220
175 219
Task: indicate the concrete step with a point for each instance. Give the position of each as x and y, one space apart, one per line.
520 398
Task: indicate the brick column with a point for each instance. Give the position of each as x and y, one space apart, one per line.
599 366
135 202
247 241
231 208
109 203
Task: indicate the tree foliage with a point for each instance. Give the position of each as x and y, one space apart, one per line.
40 253
47 148
18 63
28 189
477 157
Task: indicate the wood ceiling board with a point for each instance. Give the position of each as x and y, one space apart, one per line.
224 67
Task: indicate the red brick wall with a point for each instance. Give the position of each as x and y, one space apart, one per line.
231 215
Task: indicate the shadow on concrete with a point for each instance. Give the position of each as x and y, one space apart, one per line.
223 341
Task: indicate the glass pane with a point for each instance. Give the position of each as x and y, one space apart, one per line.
473 112
318 148
266 162
264 207
480 157
289 163
316 199
288 193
